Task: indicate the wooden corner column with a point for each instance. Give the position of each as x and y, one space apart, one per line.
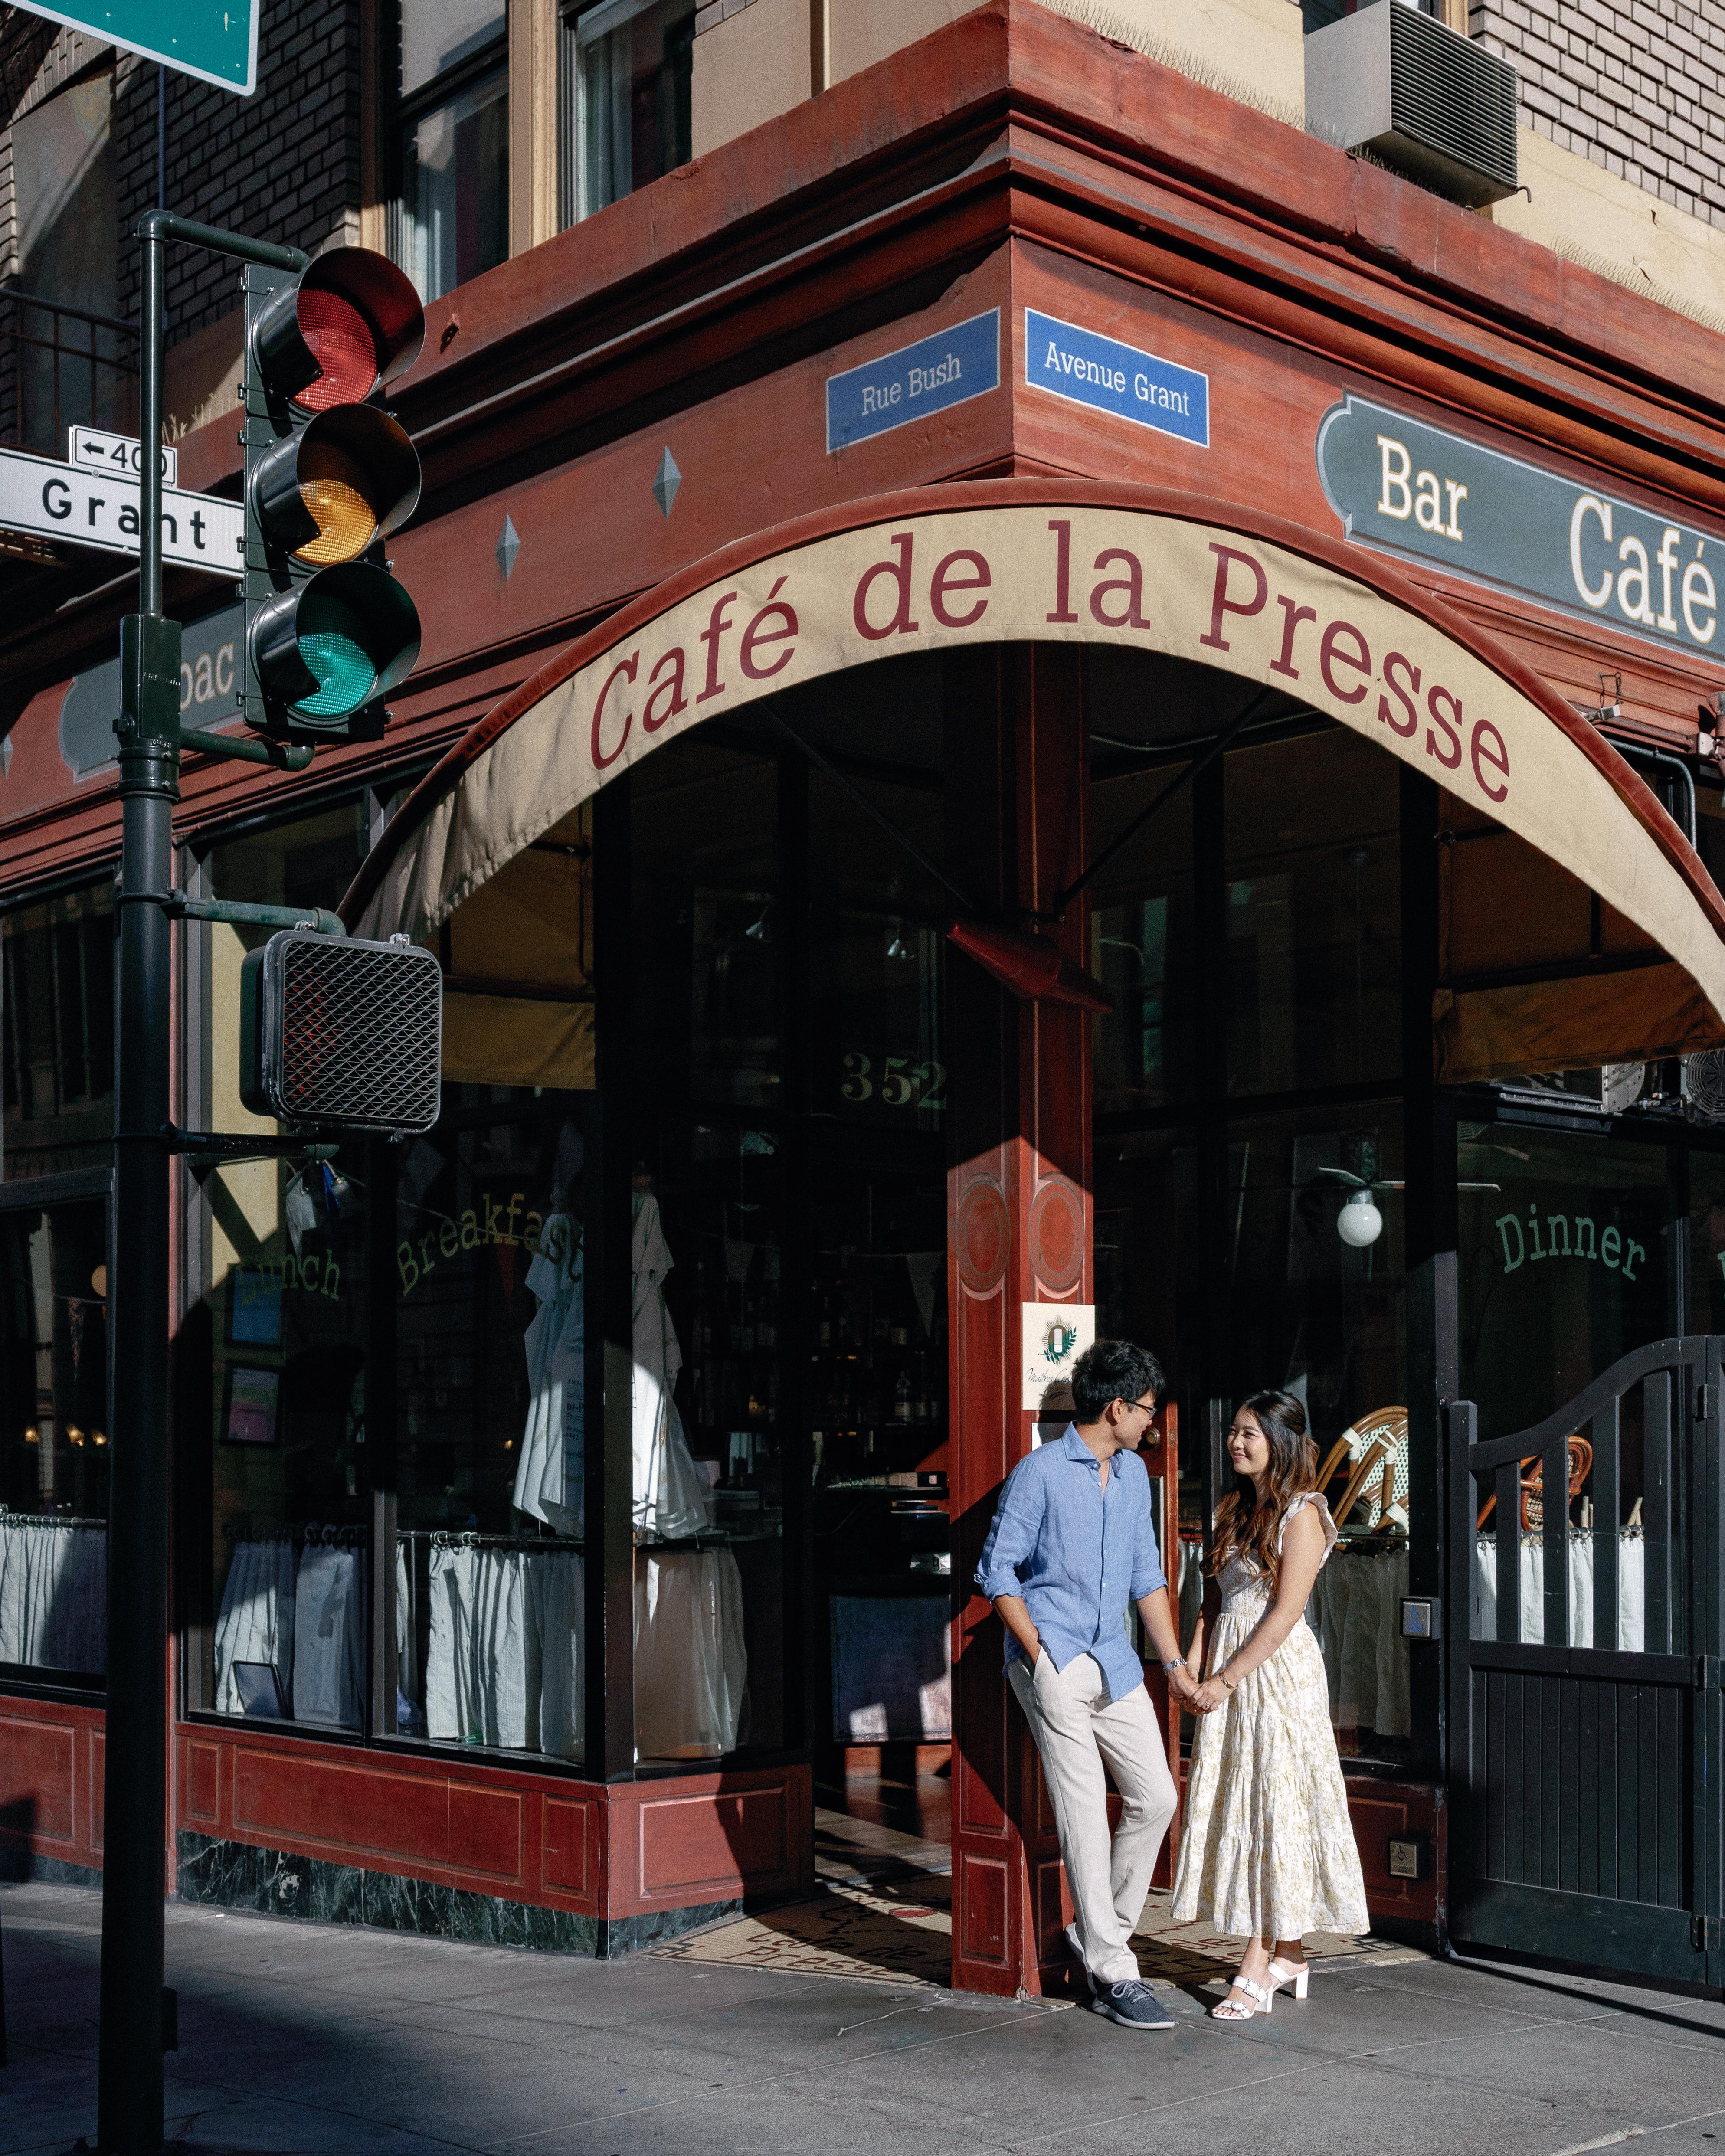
1019 1230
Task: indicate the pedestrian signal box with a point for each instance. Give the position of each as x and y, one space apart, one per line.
341 1033
329 475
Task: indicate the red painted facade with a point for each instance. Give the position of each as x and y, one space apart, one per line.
1012 160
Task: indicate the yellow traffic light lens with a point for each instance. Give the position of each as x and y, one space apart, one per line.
332 486
339 339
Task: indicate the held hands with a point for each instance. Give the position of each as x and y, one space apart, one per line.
1209 1695
1182 1683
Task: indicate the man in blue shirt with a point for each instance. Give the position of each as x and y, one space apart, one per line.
1072 1542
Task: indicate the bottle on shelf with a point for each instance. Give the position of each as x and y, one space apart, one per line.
902 1398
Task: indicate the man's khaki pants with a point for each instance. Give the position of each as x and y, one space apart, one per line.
1078 1727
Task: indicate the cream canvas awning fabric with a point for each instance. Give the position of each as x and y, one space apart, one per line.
1049 561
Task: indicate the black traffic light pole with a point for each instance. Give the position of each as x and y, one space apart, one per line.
133 2008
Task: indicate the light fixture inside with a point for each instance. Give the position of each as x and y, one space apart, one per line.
1359 1223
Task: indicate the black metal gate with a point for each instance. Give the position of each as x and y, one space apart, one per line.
1585 1701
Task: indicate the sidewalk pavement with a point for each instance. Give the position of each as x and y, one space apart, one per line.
310 2038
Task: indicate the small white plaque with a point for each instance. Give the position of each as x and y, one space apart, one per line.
92 450
1053 1336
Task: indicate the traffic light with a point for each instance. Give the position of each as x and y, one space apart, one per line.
328 477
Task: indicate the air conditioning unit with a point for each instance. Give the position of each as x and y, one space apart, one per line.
1609 1091
1421 98
1704 1085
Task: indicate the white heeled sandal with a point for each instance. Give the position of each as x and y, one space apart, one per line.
1281 1973
1258 2000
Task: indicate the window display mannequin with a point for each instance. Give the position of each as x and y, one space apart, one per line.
550 1476
670 1493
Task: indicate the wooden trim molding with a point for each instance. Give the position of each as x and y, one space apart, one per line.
533 63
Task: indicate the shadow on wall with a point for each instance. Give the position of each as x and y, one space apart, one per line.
18 1824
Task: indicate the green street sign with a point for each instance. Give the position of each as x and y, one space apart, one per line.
216 40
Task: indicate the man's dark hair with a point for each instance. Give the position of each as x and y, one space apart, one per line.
1113 1370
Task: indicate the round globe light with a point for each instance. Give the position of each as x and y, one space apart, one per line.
1359 1223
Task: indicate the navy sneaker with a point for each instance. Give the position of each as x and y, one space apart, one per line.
1077 1952
1132 2004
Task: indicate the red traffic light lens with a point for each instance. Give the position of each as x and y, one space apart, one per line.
340 340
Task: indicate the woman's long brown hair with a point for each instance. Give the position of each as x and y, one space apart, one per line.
1249 1526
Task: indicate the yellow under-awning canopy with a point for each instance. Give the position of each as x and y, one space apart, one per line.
1033 560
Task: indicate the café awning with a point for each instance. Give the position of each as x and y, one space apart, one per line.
1022 560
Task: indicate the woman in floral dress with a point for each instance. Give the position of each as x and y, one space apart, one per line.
1266 1850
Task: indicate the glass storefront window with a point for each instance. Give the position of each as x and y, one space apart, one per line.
1571 1255
272 1352
706 1138
1308 1312
491 1292
54 1455
1564 1258
628 65
1314 914
57 999
1144 718
452 215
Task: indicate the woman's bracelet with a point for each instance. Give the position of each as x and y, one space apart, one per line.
1232 1683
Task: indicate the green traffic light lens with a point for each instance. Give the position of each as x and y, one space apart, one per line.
332 642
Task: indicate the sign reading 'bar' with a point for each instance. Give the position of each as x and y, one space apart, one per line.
1421 491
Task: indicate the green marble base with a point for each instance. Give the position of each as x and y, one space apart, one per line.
233 1874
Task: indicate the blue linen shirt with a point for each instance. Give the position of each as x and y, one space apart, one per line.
1077 1552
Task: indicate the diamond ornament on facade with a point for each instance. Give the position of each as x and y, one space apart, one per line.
665 482
509 545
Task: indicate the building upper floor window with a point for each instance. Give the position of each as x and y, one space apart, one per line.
65 359
452 210
627 69
57 999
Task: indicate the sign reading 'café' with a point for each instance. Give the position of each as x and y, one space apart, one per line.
1421 491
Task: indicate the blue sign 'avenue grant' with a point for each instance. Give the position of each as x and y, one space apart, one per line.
1100 372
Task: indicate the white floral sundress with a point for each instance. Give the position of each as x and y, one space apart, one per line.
1266 1848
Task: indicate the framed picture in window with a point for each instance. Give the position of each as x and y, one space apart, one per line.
248 1408
254 1308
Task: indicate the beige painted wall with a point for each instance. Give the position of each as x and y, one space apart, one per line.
248 1211
1250 46
748 70
1587 212
758 63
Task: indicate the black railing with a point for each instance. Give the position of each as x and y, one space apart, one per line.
63 366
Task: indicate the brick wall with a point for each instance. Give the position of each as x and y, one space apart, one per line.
282 164
1638 86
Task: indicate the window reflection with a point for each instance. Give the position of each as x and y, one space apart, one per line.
1307 1312
1566 1263
451 220
491 1286
1313 914
54 1443
628 65
57 1002
274 1351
